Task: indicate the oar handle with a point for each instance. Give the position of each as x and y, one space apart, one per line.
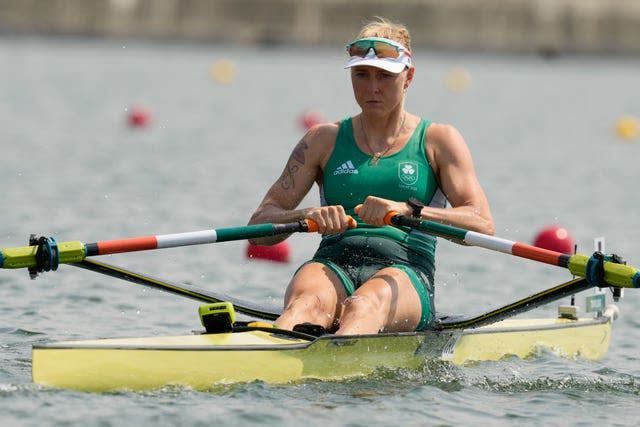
312 226
388 218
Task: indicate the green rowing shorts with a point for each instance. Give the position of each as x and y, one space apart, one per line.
354 259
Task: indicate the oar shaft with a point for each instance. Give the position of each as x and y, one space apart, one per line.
163 241
67 252
614 274
518 249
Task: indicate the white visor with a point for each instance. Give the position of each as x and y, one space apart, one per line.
392 65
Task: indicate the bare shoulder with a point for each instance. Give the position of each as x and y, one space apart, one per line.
322 133
319 141
443 133
445 142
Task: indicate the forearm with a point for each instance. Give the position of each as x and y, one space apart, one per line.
271 214
467 217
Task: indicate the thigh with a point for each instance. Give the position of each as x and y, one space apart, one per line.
319 281
395 298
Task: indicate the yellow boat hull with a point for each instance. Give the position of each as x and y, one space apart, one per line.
201 361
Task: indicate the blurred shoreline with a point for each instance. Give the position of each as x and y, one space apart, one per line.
548 27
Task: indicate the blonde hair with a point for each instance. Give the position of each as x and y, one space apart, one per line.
382 27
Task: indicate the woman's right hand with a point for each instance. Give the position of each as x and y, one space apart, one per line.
330 219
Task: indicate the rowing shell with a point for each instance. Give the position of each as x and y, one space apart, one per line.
201 361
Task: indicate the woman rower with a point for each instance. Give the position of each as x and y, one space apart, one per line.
374 278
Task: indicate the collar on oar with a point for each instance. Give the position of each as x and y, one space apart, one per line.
47 255
594 269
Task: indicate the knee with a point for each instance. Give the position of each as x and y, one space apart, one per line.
304 302
360 303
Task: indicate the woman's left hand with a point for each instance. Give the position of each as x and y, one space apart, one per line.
374 209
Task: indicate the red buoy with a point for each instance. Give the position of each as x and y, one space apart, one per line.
275 253
310 118
556 239
139 117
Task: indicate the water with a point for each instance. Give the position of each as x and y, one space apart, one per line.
541 135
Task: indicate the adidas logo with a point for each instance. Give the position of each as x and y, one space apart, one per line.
346 167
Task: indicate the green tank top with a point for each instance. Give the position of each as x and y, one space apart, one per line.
348 178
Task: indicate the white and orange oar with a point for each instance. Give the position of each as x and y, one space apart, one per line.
46 254
598 269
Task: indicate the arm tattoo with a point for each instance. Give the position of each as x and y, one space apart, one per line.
287 180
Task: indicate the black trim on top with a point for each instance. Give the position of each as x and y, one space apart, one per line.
182 289
443 323
526 304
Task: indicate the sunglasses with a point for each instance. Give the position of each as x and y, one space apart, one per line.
383 48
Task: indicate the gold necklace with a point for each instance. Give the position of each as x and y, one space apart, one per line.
376 155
